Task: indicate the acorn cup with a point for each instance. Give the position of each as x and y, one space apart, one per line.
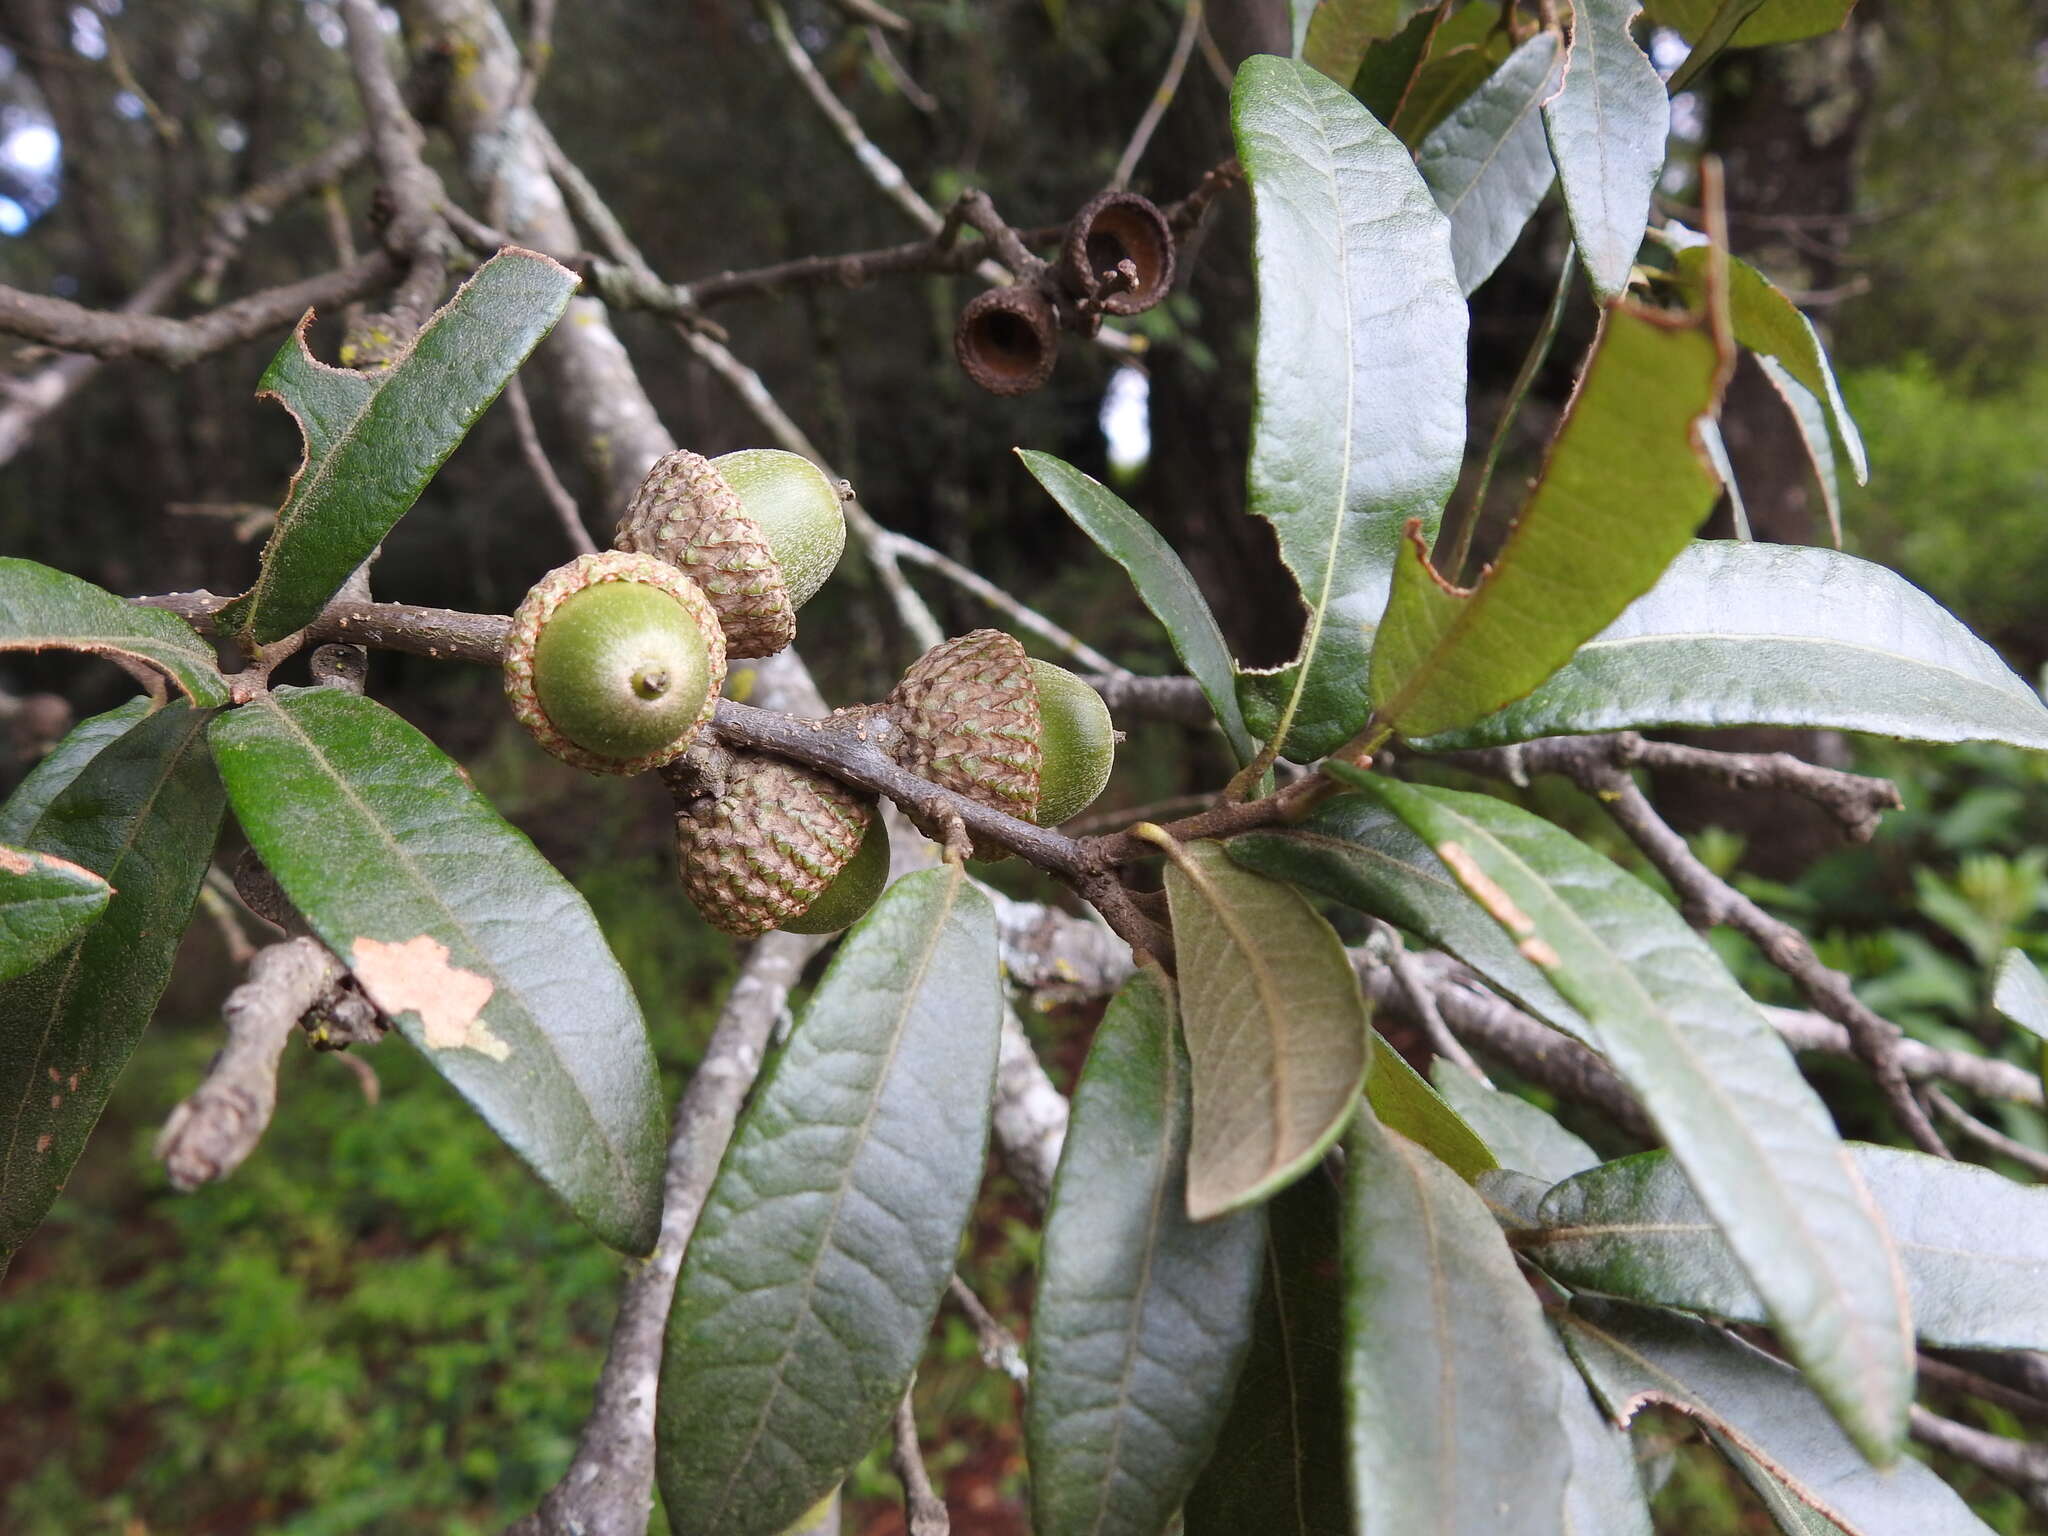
1008 339
781 847
758 530
979 717
614 662
1112 228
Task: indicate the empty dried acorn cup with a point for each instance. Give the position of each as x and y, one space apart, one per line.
1008 339
979 717
1112 228
781 847
614 662
758 530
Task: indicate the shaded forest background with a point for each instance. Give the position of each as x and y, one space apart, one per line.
381 1322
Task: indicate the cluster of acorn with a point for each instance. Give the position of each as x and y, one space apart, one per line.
1116 259
615 662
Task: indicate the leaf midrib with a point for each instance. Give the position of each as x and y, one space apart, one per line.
1681 1046
910 995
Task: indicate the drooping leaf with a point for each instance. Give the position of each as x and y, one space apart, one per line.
1717 33
63 763
373 441
1625 489
1787 1511
1355 850
1811 418
1276 1028
1973 1244
2020 992
142 813
1775 21
1163 583
1279 1462
1341 30
46 902
1772 326
1721 1087
1607 128
1521 1136
1142 1317
43 610
1605 1495
1447 1359
1488 163
1360 378
458 929
1300 16
1724 471
827 1239
1403 1101
1635 1356
1391 65
1769 634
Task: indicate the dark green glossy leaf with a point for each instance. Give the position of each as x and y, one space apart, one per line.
1775 21
1488 163
1753 1138
1522 1136
827 1239
1607 128
373 441
1972 1243
1361 378
1402 1101
1162 581
1771 325
1341 30
1605 1495
481 953
63 763
1447 1359
1355 850
1391 65
46 902
1623 491
1142 1317
1635 1356
1767 634
1279 1463
2020 993
43 610
1276 1028
143 814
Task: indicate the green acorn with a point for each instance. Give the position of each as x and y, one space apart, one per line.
614 662
781 847
758 530
979 717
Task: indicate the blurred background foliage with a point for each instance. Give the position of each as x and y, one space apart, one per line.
381 1323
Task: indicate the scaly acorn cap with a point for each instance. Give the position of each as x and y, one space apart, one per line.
774 844
966 716
1114 227
631 678
758 530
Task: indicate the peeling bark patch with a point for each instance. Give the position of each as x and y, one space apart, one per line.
416 976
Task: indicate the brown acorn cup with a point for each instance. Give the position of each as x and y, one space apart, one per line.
1008 339
967 718
1114 227
687 513
770 846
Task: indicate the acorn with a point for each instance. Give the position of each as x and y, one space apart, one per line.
758 530
979 717
1008 339
781 847
1110 229
614 662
